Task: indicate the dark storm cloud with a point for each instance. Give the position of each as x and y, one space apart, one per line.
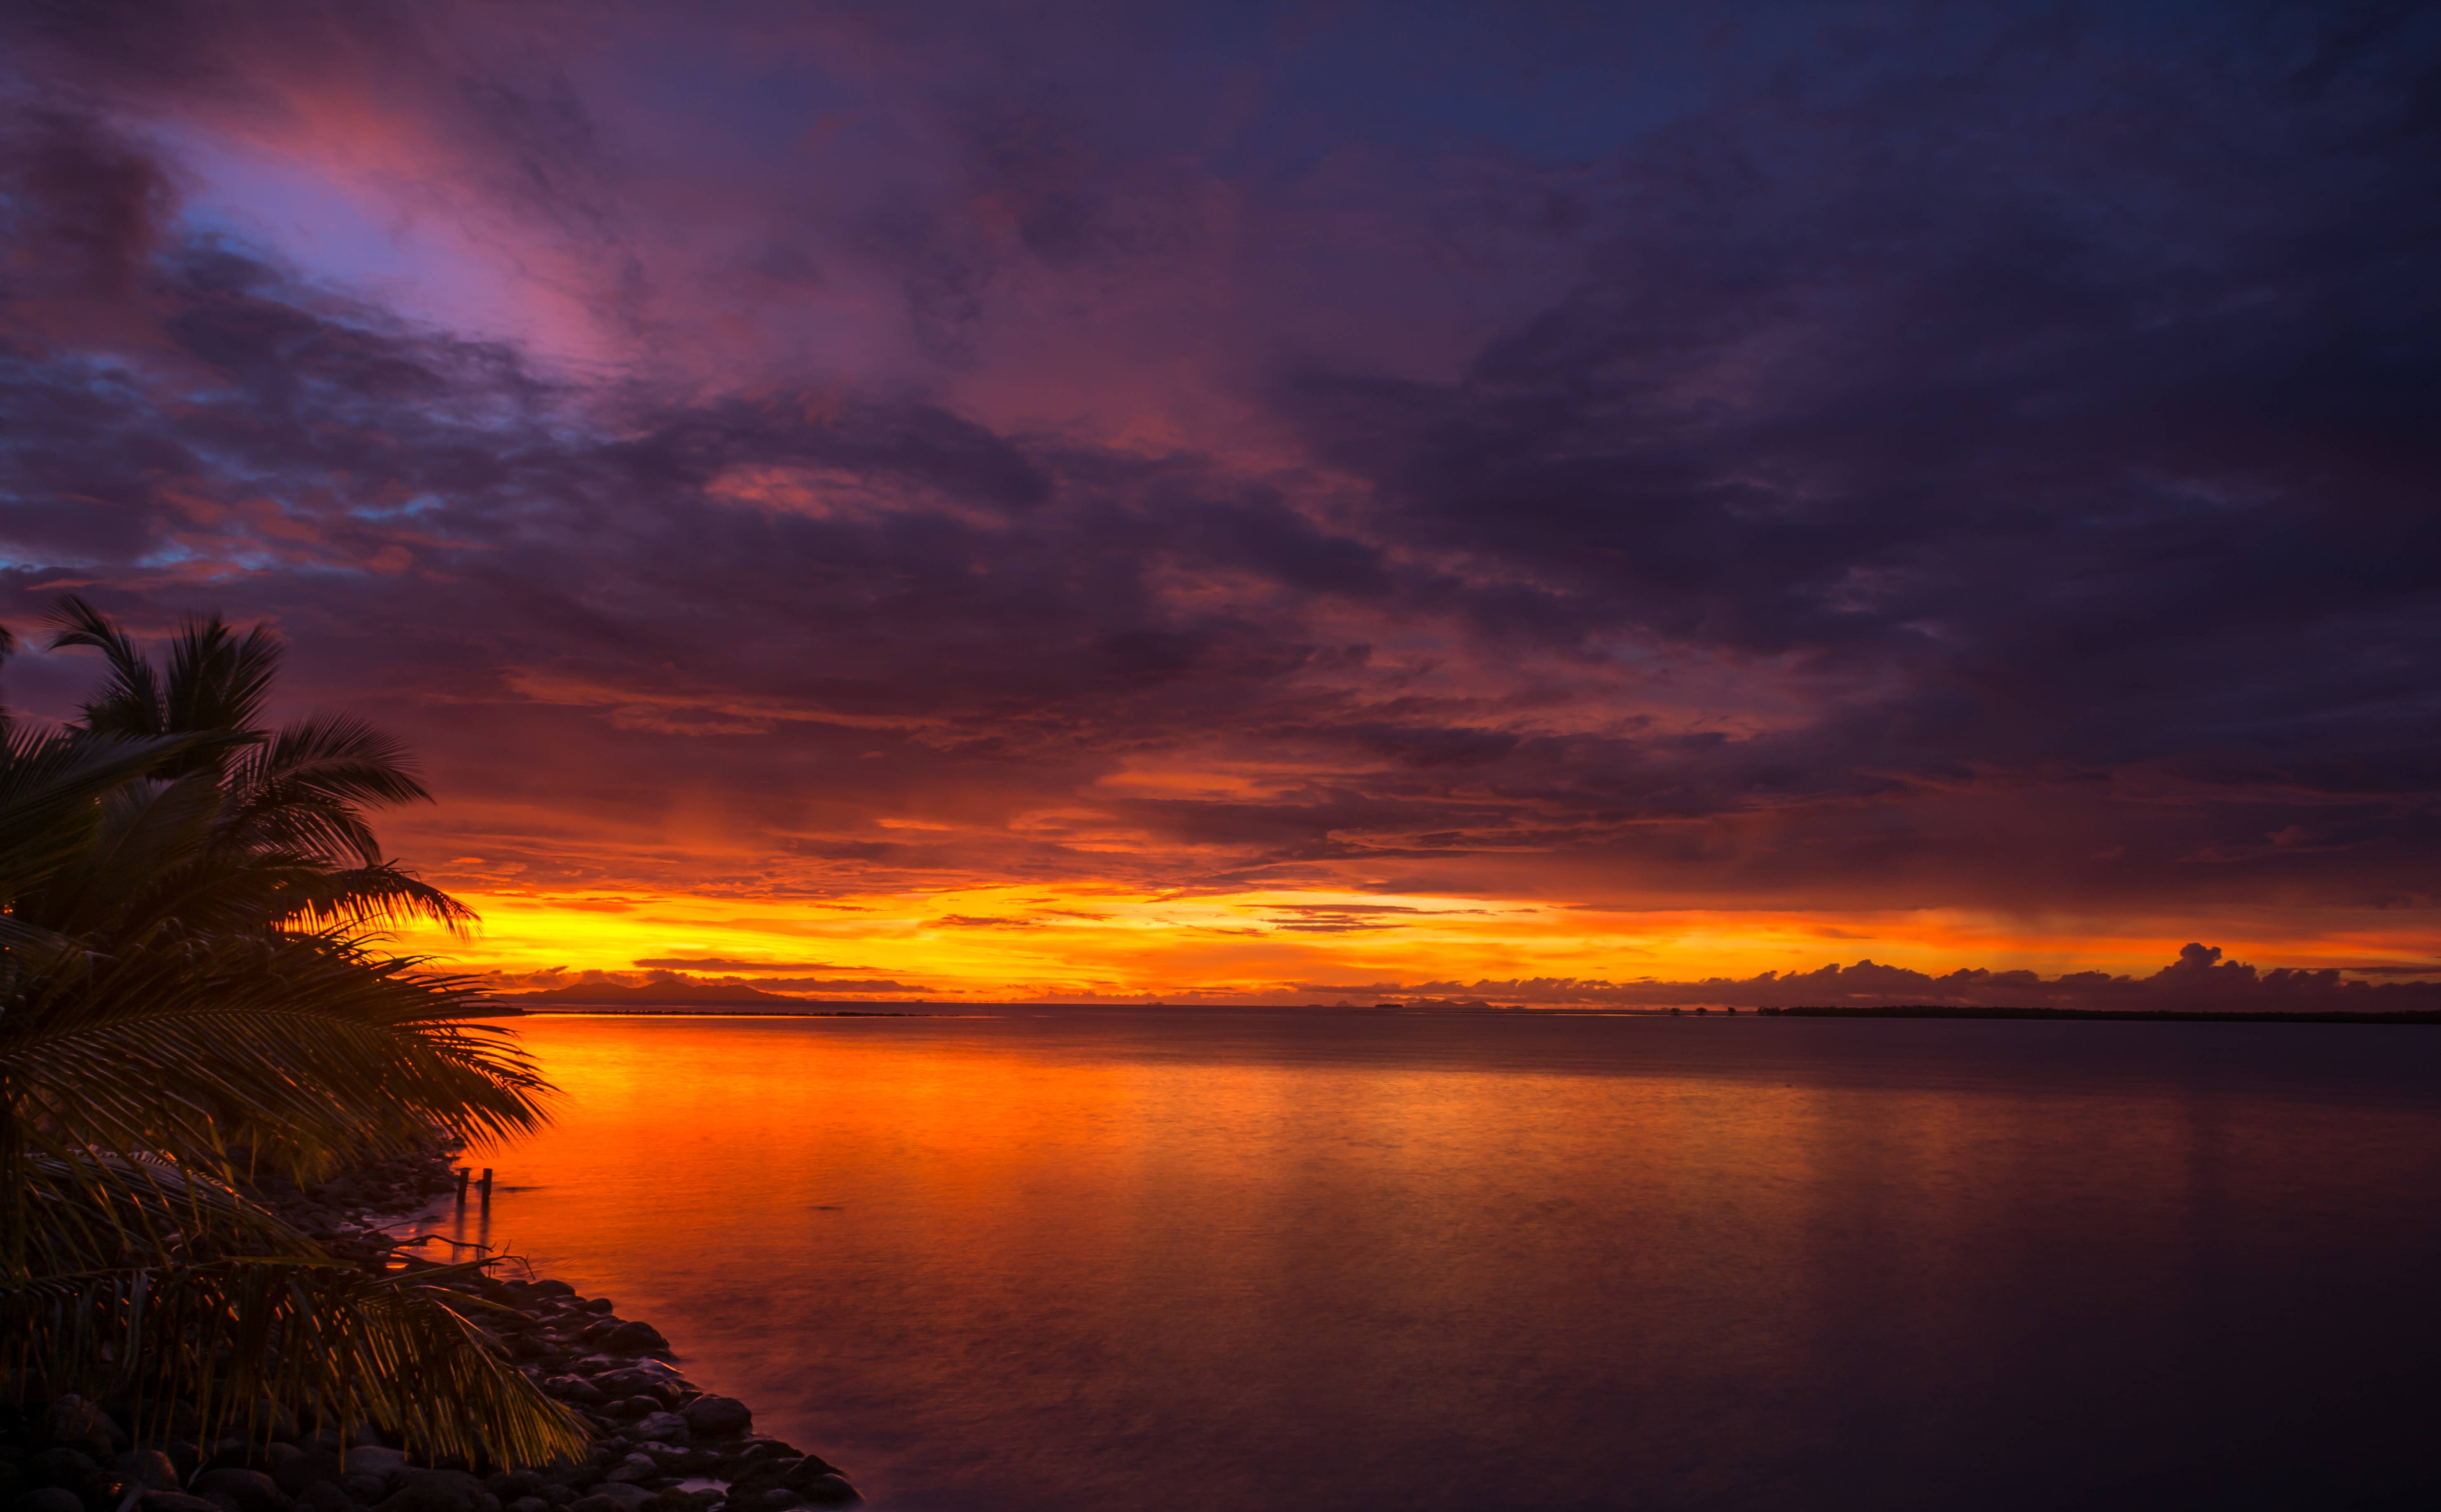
2001 472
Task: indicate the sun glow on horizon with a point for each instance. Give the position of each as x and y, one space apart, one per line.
1013 942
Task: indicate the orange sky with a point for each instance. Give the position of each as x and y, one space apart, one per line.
1070 514
996 943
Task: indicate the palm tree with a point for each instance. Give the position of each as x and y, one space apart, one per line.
293 800
186 987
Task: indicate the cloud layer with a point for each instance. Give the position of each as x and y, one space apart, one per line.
1861 464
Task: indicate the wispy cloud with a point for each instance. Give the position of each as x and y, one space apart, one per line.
1802 488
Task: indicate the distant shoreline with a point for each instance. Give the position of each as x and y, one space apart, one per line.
770 1009
2411 1015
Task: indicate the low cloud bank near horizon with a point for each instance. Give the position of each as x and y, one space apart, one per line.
2198 981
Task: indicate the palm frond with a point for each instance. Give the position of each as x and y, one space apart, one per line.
130 705
304 1333
217 679
304 790
377 895
51 787
305 1046
91 1211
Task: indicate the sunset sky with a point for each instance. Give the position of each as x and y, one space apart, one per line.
1293 501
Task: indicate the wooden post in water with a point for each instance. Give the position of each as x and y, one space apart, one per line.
487 1188
463 1172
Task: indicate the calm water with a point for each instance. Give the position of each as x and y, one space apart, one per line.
1092 1259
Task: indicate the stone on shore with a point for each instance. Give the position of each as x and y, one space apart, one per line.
309 1467
60 1467
633 1468
440 1491
175 1502
614 1497
252 1490
48 1499
661 1389
151 1469
376 1460
664 1428
634 1337
717 1416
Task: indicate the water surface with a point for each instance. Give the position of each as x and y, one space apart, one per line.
1092 1259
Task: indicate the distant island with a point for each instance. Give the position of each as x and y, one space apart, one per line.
2409 1016
651 992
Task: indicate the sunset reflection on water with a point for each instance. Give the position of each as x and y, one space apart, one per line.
1098 1259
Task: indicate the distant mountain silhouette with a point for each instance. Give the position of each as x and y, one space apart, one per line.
655 992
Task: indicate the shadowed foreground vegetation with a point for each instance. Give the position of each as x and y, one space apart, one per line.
192 998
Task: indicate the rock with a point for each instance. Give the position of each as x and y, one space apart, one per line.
800 1476
594 1304
268 1418
323 1496
364 1490
374 1460
638 1383
149 1468
634 1338
13 1481
252 1490
175 1502
830 1491
531 1346
306 1467
75 1423
717 1416
633 1468
808 1469
664 1428
762 1498
63 1469
528 1503
615 1497
511 1484
552 1289
185 1459
575 1388
47 1499
439 1491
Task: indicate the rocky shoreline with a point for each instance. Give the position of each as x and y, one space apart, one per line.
660 1443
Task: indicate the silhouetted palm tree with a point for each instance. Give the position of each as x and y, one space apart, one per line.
171 1011
287 807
